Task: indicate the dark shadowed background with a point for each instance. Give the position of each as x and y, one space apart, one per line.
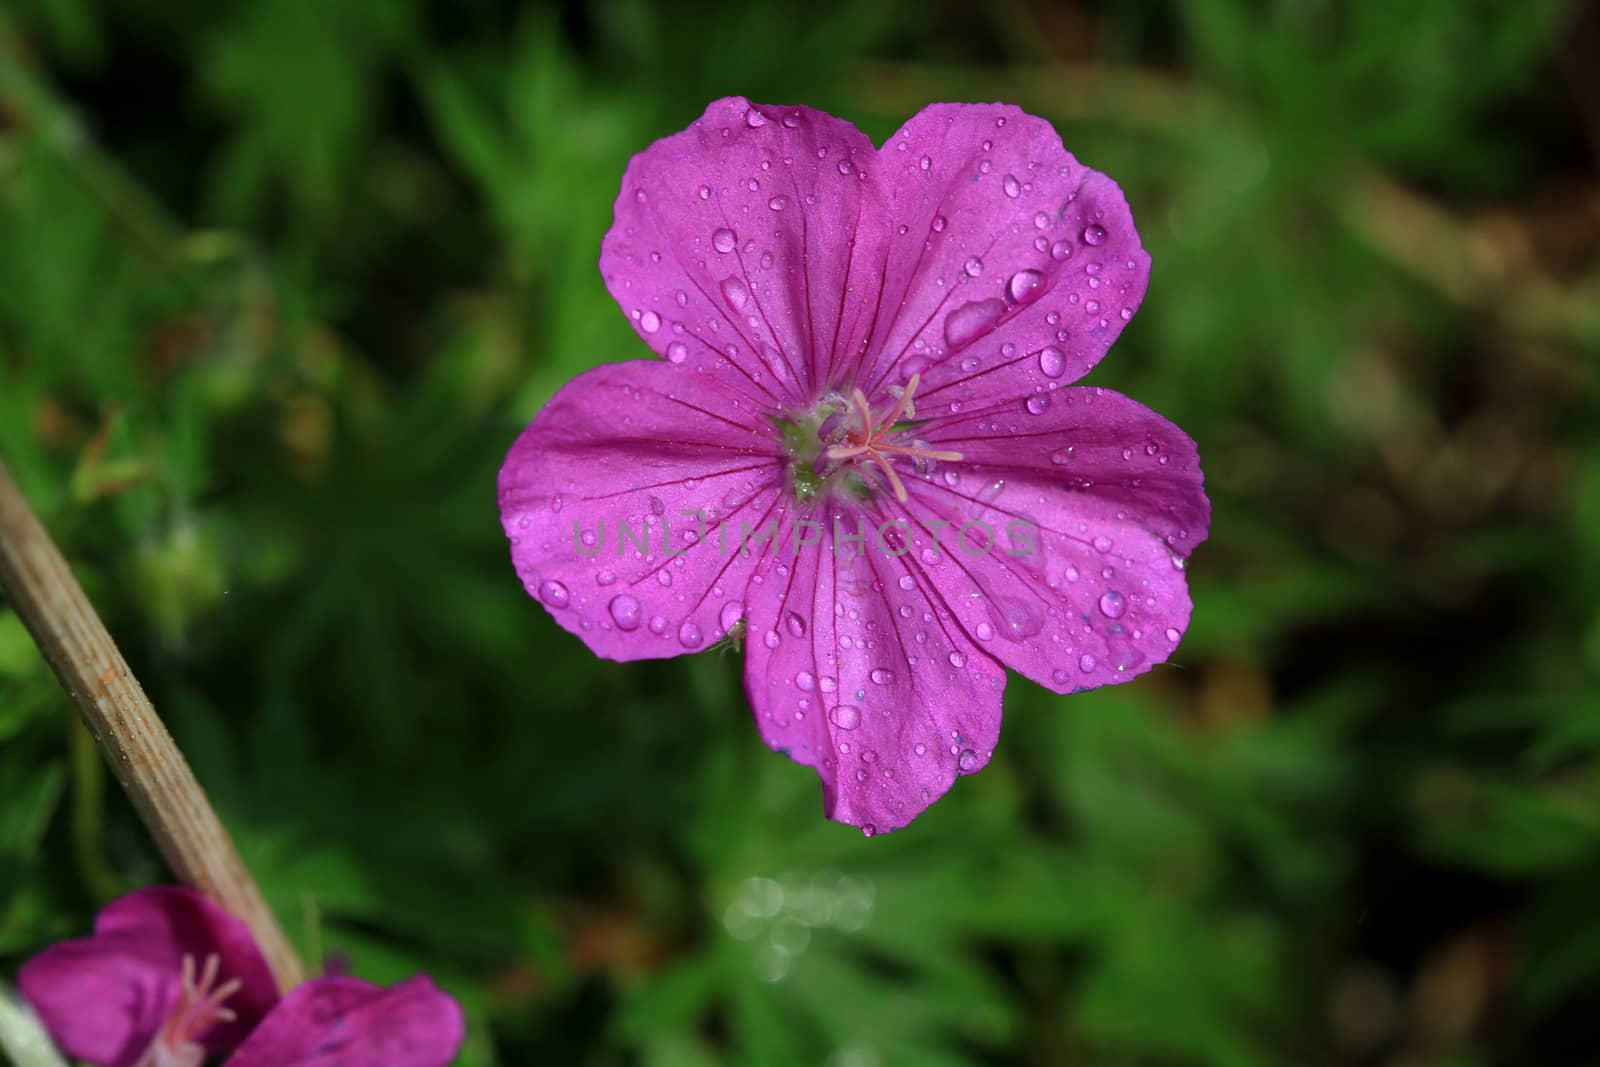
280 281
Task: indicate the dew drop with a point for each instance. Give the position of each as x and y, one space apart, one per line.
958 660
649 322
1012 187
1037 404
938 224
677 352
973 267
689 635
796 625
1086 663
1060 250
732 613
970 321
778 203
736 291
1052 362
1102 543
723 240
1094 234
845 716
967 761
1113 606
625 612
554 593
880 676
1024 285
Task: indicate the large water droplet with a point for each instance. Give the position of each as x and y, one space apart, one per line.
973 267
970 321
736 291
845 716
625 611
1113 606
689 635
1086 663
723 240
732 613
649 322
1094 234
554 593
677 352
1015 619
1024 285
1052 362
1037 404
880 676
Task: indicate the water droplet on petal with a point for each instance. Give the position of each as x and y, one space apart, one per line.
736 291
958 660
649 322
1012 187
1102 543
797 625
1094 234
705 192
1037 404
754 118
970 321
1086 663
973 267
938 224
880 676
1113 606
732 613
845 716
677 352
554 593
1024 285
967 761
625 611
1052 362
778 203
689 635
723 240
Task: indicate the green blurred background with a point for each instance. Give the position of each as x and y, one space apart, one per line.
280 281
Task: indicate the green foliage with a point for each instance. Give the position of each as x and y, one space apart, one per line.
281 280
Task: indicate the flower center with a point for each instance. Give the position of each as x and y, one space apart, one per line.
199 1007
846 441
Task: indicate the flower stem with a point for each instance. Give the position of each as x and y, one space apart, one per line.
135 742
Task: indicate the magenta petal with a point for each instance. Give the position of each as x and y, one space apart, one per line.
624 454
345 1022
1014 267
1088 511
104 997
856 669
751 242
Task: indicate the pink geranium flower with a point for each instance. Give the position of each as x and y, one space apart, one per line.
861 452
169 979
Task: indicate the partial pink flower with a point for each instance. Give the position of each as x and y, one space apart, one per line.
169 979
862 452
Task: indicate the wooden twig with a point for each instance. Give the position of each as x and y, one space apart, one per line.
131 736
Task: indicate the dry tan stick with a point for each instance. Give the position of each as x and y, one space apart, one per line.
130 734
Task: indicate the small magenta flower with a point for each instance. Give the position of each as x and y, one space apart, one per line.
169 979
862 453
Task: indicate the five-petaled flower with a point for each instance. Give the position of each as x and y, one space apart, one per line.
861 452
169 979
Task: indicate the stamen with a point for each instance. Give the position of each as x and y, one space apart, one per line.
199 1007
871 439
